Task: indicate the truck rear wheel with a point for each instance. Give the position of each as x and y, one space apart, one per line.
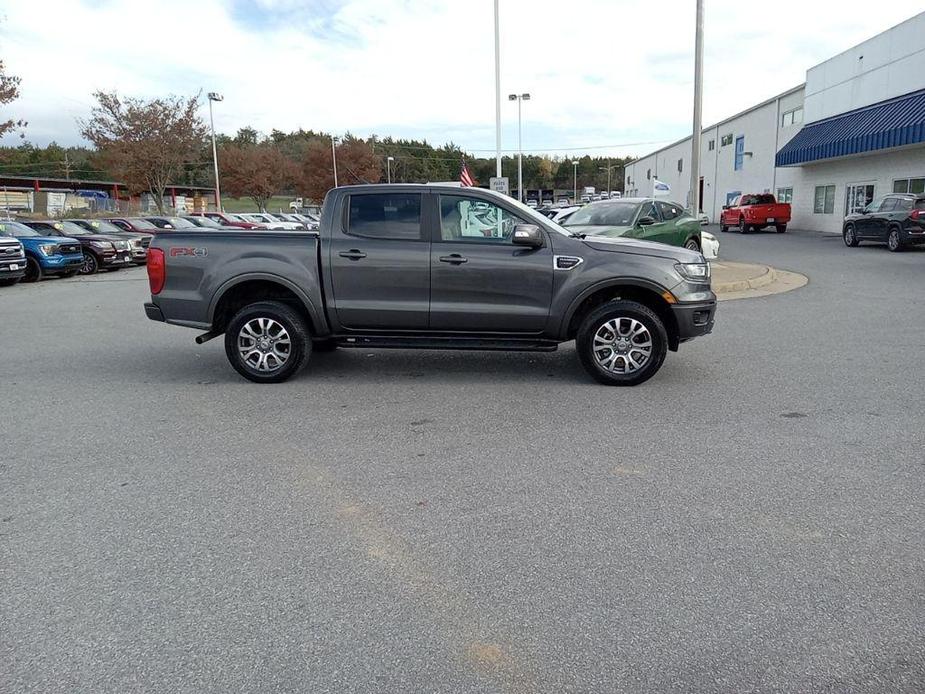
267 342
622 343
781 228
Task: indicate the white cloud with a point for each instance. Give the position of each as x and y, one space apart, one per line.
600 71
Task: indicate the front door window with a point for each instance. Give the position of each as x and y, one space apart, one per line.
470 219
858 196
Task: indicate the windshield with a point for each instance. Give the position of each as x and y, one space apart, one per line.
99 226
178 223
142 224
609 214
204 222
17 229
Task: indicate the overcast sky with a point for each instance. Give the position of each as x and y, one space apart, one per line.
613 75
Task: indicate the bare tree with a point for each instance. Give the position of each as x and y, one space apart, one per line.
9 91
257 172
145 143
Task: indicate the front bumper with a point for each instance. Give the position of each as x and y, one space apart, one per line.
117 259
694 320
13 268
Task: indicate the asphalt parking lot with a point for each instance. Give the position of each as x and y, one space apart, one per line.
748 520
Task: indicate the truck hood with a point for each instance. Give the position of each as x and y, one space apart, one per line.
598 230
639 247
40 240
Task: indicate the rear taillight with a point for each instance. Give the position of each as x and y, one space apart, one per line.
157 270
917 214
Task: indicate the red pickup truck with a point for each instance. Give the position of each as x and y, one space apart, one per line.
755 211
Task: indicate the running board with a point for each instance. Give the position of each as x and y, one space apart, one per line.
512 344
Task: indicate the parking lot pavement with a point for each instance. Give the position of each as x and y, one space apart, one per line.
750 519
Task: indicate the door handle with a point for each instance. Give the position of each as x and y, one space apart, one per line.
353 254
453 259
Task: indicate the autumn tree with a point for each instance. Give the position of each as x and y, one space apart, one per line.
145 144
9 91
254 171
356 163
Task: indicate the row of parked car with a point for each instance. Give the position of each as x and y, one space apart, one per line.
31 250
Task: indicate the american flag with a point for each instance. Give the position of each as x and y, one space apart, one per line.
465 176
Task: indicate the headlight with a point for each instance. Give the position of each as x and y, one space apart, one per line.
695 272
48 249
106 245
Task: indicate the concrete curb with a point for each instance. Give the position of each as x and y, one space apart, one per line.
752 280
757 276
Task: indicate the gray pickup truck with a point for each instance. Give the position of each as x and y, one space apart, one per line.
429 266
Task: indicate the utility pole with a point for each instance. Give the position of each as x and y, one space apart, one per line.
519 98
67 167
497 95
575 164
698 112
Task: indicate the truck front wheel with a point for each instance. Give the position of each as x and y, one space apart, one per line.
622 343
267 342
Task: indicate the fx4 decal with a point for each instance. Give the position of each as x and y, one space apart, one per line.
179 251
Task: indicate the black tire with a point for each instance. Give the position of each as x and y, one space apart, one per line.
300 343
34 272
894 240
781 228
743 227
692 244
620 311
850 236
723 228
91 264
9 282
324 345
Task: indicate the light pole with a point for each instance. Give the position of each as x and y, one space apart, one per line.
698 112
608 169
519 98
497 95
334 157
388 168
575 164
215 96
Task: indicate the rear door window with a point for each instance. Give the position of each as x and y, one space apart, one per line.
670 210
888 205
385 216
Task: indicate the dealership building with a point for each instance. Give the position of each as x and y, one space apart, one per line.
855 130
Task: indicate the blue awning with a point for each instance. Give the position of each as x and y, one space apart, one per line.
891 123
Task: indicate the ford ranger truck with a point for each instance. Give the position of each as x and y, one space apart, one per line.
755 211
432 267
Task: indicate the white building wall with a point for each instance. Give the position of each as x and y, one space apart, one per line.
760 126
887 65
879 168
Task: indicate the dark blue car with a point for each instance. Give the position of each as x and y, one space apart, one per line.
45 255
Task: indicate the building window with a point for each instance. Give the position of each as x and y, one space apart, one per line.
824 200
680 165
858 196
792 117
711 145
648 174
785 195
726 140
909 185
740 152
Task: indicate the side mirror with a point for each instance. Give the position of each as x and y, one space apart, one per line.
725 207
646 221
527 235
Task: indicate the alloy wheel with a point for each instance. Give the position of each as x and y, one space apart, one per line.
622 345
89 266
893 240
264 344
